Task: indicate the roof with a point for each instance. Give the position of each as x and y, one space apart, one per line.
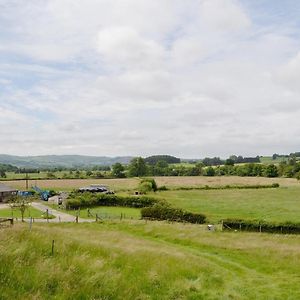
5 188
94 188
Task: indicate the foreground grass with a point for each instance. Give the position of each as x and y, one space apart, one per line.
15 213
134 260
274 205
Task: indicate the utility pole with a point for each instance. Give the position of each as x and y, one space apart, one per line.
26 181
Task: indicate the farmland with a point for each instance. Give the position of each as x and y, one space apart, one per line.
15 213
127 184
130 258
271 205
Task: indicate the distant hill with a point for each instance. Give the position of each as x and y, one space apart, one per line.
152 160
44 161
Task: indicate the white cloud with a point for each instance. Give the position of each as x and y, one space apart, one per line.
124 47
224 15
138 77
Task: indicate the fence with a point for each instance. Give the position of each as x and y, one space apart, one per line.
259 226
6 220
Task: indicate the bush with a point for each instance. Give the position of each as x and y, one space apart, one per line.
162 188
87 199
147 185
165 212
257 225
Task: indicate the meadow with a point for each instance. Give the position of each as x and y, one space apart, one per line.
272 205
15 213
153 260
103 212
130 184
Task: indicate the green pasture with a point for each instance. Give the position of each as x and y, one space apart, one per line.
30 212
105 212
281 204
153 260
270 160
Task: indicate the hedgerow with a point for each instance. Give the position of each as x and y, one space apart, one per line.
261 226
228 187
82 200
165 212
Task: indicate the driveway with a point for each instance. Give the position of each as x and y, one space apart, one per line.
4 205
60 216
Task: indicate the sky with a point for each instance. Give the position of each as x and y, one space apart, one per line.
190 78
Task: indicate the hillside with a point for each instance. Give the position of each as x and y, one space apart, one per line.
61 160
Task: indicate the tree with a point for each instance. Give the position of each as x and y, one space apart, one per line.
118 170
210 171
21 203
89 173
229 162
271 171
137 167
2 174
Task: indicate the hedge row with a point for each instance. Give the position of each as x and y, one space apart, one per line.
164 212
225 187
261 226
83 200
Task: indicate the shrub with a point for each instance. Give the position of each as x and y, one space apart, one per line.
77 200
147 185
165 212
162 188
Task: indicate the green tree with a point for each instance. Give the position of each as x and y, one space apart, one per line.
21 203
89 173
137 167
210 171
118 170
271 171
229 162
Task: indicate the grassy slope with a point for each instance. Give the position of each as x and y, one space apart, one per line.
146 261
280 204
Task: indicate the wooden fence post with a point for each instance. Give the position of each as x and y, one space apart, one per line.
52 248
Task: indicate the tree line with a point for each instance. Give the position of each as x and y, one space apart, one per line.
163 165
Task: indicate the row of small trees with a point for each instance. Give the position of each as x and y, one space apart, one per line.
139 168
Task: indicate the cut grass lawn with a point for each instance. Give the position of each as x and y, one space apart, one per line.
30 212
134 260
272 205
104 212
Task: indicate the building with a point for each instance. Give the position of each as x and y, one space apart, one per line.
6 192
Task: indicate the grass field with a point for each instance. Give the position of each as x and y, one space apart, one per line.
70 184
31 212
104 212
281 204
128 184
134 260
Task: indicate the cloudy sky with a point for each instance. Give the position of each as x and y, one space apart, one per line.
191 78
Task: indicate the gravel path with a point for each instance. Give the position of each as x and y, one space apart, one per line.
3 205
60 216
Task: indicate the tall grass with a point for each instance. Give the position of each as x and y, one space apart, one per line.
134 260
